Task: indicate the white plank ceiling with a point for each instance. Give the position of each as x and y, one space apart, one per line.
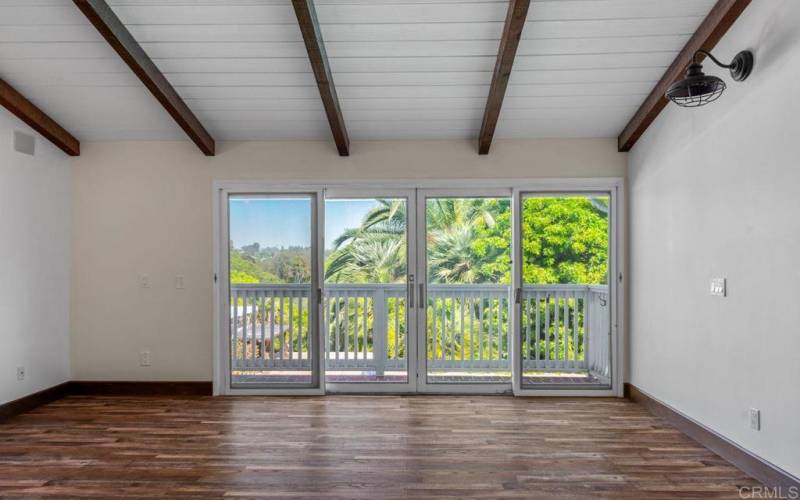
403 69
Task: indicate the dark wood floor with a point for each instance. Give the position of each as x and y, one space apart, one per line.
355 447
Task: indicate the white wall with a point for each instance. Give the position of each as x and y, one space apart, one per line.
34 264
146 208
715 192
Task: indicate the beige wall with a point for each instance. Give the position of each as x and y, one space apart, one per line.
713 194
146 208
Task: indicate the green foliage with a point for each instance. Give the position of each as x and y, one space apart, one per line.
252 264
564 240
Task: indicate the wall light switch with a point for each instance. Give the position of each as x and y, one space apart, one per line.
144 281
718 287
20 373
179 283
755 419
144 358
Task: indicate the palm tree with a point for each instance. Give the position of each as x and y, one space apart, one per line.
454 225
374 252
368 260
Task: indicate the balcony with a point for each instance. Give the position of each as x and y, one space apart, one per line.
564 330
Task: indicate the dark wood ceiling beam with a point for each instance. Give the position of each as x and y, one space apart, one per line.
38 120
315 46
117 35
711 30
512 31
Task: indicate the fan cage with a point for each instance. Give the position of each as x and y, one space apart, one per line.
696 96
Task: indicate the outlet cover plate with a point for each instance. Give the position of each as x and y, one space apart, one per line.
755 419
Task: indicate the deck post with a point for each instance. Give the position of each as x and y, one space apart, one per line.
380 330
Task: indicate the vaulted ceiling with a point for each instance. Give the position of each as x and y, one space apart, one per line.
403 69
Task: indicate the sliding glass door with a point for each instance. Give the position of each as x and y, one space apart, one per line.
368 311
464 247
459 290
564 299
270 268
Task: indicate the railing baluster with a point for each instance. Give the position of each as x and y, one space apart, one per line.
282 332
272 325
366 329
262 316
252 325
547 354
491 329
452 327
471 316
291 324
501 330
300 327
396 327
356 346
463 337
380 331
525 315
235 326
566 326
502 342
538 327
443 336
346 296
587 327
336 324
480 328
360 299
557 323
575 340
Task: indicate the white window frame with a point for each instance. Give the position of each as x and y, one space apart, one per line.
517 186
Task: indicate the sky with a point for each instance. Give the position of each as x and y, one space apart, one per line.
284 222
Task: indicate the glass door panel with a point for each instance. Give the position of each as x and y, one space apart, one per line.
365 307
564 301
467 241
271 255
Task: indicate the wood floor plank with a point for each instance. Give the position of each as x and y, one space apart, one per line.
354 447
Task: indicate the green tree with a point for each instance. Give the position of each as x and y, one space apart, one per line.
565 240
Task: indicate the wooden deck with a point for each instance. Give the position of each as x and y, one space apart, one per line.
355 447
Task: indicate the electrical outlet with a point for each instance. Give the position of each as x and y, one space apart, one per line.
144 281
144 358
179 283
20 373
755 419
718 287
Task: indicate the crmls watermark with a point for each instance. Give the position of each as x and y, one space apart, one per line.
777 492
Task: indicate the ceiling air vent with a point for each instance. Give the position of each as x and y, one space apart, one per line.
24 143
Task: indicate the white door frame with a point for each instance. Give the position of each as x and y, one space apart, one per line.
222 367
422 263
410 386
615 189
617 264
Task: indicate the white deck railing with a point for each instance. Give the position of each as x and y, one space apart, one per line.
562 327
